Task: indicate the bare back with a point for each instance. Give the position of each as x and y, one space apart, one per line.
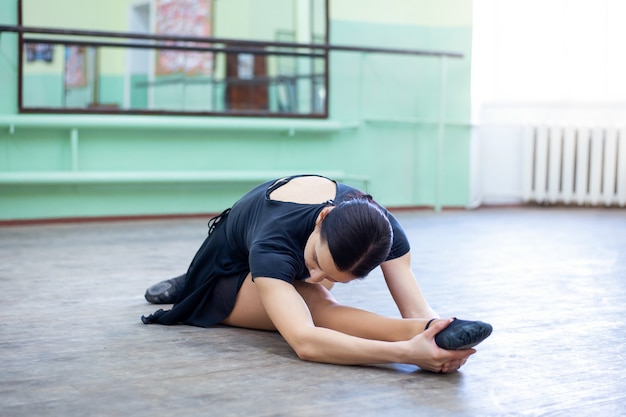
306 190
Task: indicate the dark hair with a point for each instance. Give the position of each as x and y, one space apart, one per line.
358 235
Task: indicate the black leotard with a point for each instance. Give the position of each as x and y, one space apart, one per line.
260 236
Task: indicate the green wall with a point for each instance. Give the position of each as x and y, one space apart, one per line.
396 99
382 125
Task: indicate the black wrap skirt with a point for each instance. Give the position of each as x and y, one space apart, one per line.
212 283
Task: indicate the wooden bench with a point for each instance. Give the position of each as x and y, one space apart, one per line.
76 123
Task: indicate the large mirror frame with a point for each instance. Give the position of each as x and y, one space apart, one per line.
177 58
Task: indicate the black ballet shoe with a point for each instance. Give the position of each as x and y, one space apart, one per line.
463 334
165 292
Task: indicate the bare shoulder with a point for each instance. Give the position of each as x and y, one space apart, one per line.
306 190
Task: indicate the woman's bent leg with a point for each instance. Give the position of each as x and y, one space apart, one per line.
165 292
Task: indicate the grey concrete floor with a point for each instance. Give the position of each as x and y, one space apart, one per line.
552 281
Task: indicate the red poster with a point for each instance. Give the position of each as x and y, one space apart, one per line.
75 67
187 18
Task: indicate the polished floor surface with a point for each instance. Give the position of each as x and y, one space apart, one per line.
552 281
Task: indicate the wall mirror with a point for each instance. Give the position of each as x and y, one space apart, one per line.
251 67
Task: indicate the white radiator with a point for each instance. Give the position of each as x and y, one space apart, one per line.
574 165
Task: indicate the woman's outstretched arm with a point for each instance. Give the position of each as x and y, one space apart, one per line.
405 290
292 318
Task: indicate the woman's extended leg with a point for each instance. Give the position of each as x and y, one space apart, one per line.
326 312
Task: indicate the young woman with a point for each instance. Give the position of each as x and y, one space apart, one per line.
269 262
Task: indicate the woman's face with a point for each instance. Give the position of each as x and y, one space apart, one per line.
320 262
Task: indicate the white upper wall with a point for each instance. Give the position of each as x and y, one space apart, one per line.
554 53
541 62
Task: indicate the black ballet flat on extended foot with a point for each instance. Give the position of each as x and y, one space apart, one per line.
463 334
165 292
